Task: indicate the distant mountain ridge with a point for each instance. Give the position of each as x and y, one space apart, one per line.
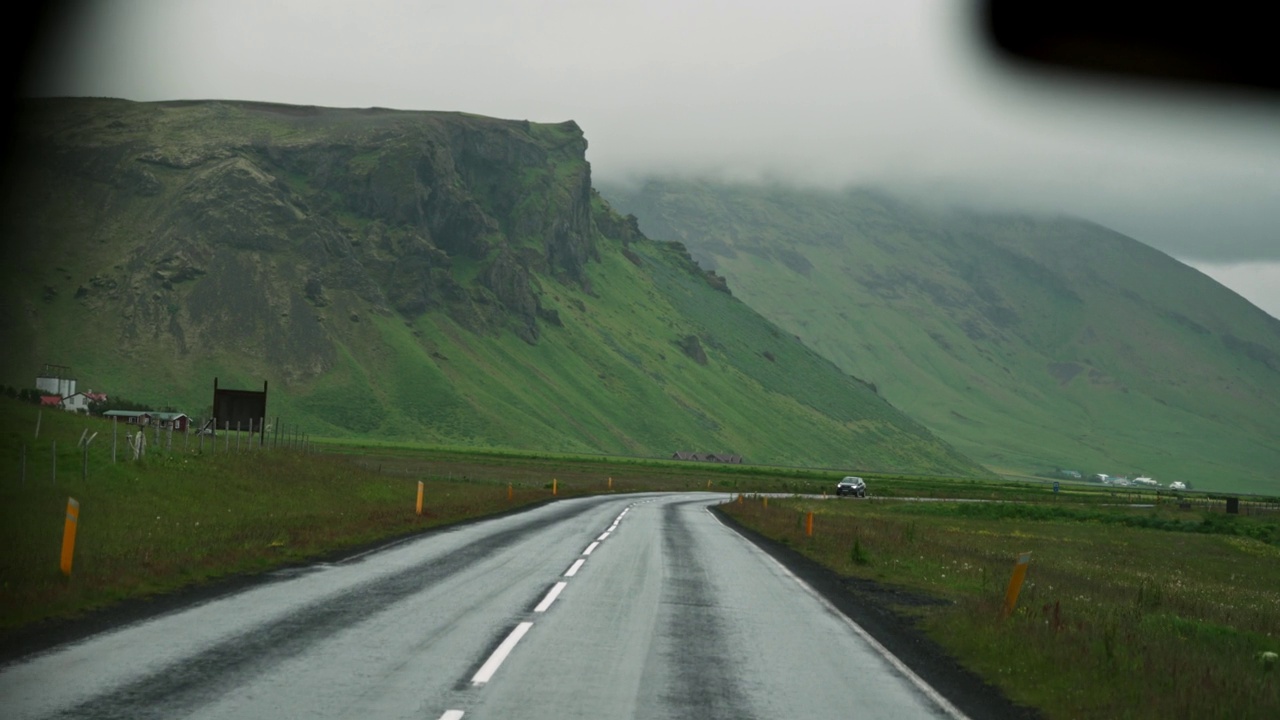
438 277
1031 343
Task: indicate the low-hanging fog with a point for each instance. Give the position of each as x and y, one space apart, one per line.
828 94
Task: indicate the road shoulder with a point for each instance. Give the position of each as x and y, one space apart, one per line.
874 607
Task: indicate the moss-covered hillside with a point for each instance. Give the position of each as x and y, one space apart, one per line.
437 277
1031 343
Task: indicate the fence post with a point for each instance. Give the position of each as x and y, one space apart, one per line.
226 435
237 437
54 466
84 470
168 446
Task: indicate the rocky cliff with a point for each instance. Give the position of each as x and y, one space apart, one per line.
432 276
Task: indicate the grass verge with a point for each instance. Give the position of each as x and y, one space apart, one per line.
1126 612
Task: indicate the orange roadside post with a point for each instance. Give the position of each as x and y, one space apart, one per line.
419 509
1015 583
808 524
553 487
510 492
69 535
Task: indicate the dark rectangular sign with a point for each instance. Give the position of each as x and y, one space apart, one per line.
247 407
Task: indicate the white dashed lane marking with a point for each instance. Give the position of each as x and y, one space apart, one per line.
490 666
486 671
551 597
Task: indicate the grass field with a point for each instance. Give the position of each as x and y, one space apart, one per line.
1153 612
188 513
177 518
1150 611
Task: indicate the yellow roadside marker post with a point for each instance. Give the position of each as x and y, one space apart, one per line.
553 487
610 483
419 497
69 535
808 524
1015 582
766 500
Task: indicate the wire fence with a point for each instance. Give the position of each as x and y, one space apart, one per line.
45 459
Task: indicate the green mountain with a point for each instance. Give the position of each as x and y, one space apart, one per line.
436 277
1029 343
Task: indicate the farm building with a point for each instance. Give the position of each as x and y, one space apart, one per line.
178 421
56 380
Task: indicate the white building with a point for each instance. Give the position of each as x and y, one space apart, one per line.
57 380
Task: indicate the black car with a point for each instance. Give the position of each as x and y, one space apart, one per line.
852 486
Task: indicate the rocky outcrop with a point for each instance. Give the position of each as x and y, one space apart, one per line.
692 347
285 211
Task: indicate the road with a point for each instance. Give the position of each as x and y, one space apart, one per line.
640 607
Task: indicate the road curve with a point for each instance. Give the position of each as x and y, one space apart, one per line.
641 607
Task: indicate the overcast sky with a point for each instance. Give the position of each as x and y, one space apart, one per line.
823 93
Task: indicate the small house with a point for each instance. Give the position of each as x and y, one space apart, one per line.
133 417
176 420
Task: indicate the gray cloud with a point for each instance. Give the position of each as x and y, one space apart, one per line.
825 93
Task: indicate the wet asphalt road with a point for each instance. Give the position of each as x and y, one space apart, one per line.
639 607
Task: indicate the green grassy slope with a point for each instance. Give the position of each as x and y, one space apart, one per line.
428 277
1029 343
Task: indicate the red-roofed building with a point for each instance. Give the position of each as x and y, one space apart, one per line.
51 400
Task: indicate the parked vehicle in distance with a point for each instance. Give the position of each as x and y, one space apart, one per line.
1177 485
851 485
